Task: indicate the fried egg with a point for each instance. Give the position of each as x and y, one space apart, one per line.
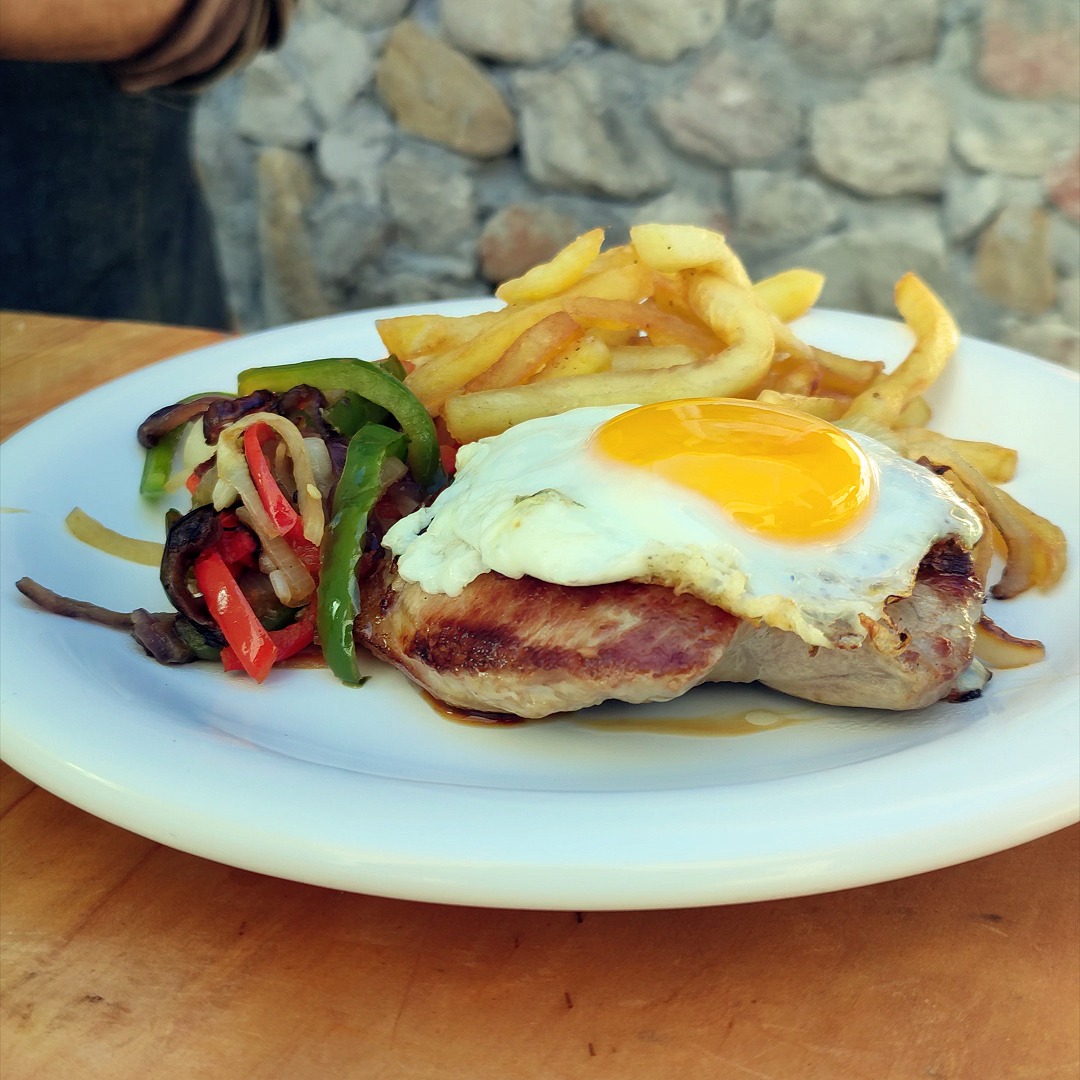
771 514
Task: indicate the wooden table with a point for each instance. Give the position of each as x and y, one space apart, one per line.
125 959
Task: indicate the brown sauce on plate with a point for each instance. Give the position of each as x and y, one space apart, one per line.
720 725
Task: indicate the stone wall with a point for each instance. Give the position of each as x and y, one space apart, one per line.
404 150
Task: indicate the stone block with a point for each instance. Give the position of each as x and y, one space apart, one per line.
431 199
337 62
654 30
291 286
1050 337
892 139
1068 301
512 31
1012 137
862 263
434 91
1031 48
970 200
520 236
582 131
681 207
854 37
367 14
273 106
728 116
348 231
351 152
1063 185
777 211
1013 264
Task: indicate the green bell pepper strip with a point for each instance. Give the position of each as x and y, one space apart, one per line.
158 460
157 464
370 381
351 412
357 491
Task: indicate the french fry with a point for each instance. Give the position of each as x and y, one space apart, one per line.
440 376
530 352
410 336
844 375
726 374
669 248
585 356
673 314
555 276
615 337
996 463
936 338
825 407
916 413
615 258
651 357
787 341
1036 548
793 375
791 293
661 327
619 281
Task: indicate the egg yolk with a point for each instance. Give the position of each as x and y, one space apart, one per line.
775 471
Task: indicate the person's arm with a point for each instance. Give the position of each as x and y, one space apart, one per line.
89 31
144 43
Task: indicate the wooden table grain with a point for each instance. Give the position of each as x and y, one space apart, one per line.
122 958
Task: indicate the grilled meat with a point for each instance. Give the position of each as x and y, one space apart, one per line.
530 648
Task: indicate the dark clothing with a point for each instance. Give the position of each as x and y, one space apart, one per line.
100 210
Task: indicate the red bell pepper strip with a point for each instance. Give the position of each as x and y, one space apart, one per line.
245 635
236 546
280 511
288 641
307 552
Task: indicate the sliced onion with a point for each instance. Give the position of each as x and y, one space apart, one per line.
194 449
321 466
233 474
309 494
293 584
91 531
999 649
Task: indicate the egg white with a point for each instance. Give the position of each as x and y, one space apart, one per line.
538 501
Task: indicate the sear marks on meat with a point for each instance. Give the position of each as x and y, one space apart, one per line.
530 648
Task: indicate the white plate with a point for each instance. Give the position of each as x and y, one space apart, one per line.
372 790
